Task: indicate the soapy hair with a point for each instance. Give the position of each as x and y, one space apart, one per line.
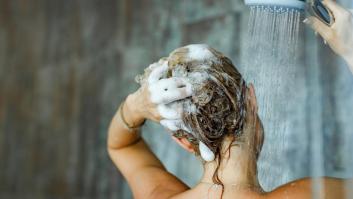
217 107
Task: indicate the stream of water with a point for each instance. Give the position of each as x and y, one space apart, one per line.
270 60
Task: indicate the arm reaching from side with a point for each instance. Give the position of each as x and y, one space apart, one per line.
145 174
339 35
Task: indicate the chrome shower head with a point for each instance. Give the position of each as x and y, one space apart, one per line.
294 4
316 8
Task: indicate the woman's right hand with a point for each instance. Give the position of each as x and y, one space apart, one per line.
153 100
339 35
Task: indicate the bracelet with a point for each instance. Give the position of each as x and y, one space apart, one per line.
130 128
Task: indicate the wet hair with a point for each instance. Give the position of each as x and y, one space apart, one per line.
219 102
217 108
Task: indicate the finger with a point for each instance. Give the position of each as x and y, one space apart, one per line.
173 82
158 73
170 83
153 66
161 61
319 27
333 7
176 94
168 96
170 112
169 90
172 125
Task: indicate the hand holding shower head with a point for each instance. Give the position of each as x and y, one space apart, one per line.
319 10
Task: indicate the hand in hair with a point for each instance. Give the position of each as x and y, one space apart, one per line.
153 99
339 35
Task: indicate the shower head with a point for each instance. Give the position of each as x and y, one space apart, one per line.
294 4
319 10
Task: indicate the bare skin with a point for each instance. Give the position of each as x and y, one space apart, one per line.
148 178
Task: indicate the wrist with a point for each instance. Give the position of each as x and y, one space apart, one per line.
131 111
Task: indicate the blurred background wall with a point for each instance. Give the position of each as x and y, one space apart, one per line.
66 65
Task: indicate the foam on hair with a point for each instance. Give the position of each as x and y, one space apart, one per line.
216 107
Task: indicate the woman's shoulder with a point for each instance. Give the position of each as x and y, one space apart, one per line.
297 189
302 189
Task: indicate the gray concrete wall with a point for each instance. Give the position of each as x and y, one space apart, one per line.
66 65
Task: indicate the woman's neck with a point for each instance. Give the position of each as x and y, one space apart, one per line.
238 169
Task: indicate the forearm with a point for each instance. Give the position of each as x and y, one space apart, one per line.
119 136
126 149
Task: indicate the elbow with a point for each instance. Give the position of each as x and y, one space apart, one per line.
111 148
111 155
112 152
113 143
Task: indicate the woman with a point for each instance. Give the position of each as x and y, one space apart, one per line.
199 96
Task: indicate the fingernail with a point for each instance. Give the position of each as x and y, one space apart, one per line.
316 33
306 21
325 42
